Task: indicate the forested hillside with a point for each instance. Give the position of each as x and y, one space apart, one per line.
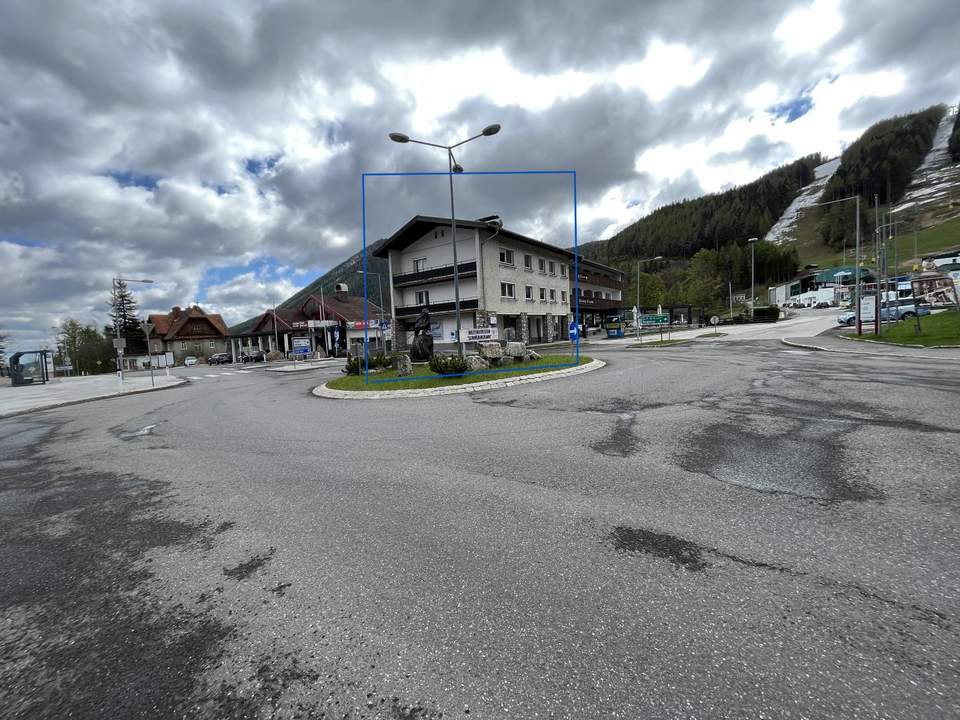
712 221
881 162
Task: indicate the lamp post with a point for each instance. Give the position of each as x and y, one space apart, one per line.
453 167
380 295
858 253
751 242
116 325
636 319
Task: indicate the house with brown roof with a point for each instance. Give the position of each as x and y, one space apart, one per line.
190 331
332 323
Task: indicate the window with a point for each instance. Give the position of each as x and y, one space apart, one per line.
553 268
553 295
543 293
507 290
423 297
183 346
563 270
506 256
528 262
606 295
529 292
213 344
563 296
197 348
420 264
541 265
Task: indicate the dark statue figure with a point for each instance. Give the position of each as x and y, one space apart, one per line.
421 349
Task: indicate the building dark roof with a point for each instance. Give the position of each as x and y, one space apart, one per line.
419 225
347 308
168 325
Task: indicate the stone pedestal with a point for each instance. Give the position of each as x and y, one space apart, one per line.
490 350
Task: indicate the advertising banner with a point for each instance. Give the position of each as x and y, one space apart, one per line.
480 334
935 290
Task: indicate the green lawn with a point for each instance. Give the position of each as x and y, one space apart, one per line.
659 343
710 335
356 382
941 328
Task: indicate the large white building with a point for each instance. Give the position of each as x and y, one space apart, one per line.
518 285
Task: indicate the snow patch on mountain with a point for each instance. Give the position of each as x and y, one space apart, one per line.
934 190
782 231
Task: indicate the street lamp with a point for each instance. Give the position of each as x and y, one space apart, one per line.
453 167
751 242
116 325
636 320
858 253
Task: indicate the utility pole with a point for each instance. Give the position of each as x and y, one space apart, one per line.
753 282
876 258
857 270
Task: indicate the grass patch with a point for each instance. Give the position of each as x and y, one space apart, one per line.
942 328
417 381
659 343
710 335
904 247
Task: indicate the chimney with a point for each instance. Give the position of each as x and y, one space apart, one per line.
176 312
340 291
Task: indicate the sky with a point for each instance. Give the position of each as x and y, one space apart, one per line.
217 147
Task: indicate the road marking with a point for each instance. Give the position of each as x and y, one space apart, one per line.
245 372
226 373
214 375
194 377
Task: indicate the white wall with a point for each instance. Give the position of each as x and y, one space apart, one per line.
438 250
439 292
494 273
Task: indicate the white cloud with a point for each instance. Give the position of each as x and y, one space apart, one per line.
807 28
246 295
664 68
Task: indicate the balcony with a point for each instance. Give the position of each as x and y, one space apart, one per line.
435 274
590 278
443 306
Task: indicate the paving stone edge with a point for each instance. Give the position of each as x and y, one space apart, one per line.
324 392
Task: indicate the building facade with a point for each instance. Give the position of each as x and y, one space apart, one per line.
601 292
516 284
186 332
332 323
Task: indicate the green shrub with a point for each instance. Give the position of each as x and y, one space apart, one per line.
353 365
768 313
448 364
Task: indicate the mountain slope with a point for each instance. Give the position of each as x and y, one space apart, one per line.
711 221
784 230
933 194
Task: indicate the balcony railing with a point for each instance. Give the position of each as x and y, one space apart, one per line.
590 278
437 307
435 274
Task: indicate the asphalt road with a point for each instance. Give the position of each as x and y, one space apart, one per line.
728 530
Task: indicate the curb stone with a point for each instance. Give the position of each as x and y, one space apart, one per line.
107 396
808 346
902 345
325 392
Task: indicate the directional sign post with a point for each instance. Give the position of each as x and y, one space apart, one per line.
658 320
574 331
147 328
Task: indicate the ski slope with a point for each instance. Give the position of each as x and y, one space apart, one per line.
782 231
934 191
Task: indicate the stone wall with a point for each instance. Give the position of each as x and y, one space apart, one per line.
550 334
524 328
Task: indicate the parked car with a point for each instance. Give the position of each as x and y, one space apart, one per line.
219 359
896 310
822 304
190 360
254 356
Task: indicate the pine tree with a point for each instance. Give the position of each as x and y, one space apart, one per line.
3 347
123 314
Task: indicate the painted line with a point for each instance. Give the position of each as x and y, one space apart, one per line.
244 372
194 377
214 375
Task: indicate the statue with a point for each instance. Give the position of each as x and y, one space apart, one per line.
421 349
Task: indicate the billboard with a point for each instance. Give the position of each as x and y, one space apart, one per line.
935 290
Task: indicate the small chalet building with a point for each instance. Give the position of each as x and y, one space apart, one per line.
324 321
188 332
509 281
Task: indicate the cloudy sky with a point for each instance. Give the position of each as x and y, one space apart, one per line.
217 147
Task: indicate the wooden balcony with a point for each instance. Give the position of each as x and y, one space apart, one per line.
439 273
443 306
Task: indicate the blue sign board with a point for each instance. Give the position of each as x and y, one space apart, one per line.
301 351
574 331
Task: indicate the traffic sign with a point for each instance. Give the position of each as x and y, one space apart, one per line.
654 319
714 320
574 331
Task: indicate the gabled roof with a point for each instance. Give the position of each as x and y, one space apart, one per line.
348 308
167 326
420 225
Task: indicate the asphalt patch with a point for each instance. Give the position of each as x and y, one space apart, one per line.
681 553
248 567
805 462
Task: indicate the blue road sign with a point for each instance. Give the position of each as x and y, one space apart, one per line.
574 331
301 351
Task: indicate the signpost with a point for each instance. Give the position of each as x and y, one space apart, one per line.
147 328
301 346
574 331
659 320
714 320
481 334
